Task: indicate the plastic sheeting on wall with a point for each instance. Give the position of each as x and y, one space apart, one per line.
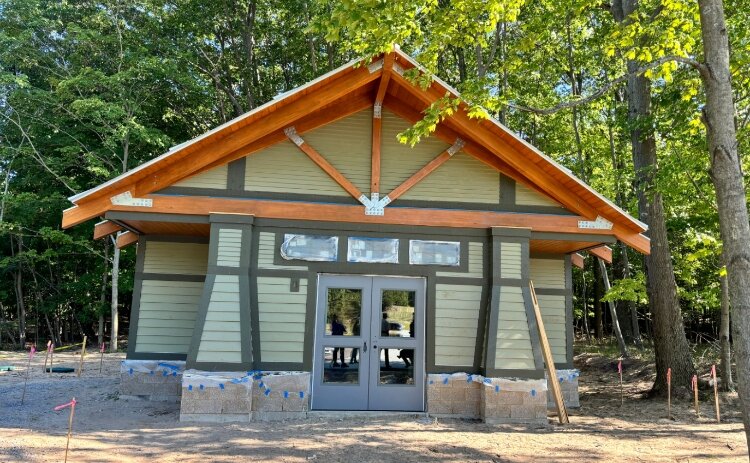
373 250
310 247
446 253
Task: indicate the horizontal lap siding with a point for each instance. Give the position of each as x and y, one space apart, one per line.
476 263
220 340
550 274
513 349
347 145
267 251
166 315
175 258
461 179
215 178
456 318
283 168
230 247
525 196
510 260
281 314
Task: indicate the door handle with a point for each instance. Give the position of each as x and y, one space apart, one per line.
364 349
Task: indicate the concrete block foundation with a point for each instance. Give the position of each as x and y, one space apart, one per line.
151 379
493 400
568 380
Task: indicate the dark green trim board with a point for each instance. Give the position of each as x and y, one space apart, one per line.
507 191
535 235
135 309
200 321
569 309
158 217
236 175
169 277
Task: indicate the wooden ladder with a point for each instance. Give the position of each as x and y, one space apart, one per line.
554 384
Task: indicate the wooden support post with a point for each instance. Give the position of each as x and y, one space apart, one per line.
315 157
669 393
695 395
72 405
622 395
51 357
83 352
377 124
46 356
562 413
101 357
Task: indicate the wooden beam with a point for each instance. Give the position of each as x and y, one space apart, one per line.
105 228
385 77
326 212
126 239
430 167
602 252
377 125
577 260
91 208
502 149
316 157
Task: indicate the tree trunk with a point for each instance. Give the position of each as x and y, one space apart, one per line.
598 313
670 344
113 330
613 312
727 177
725 365
103 294
20 303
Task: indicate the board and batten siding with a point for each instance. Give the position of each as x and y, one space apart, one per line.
461 179
526 196
166 315
215 179
175 258
281 315
220 340
513 349
456 319
550 274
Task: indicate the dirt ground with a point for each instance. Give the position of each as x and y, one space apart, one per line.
109 429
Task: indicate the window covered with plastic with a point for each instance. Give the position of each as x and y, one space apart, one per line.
310 247
373 250
435 253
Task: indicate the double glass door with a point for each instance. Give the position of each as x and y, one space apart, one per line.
369 343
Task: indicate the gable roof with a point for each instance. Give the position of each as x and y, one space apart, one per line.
355 82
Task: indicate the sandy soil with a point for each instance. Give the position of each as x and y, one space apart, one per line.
109 429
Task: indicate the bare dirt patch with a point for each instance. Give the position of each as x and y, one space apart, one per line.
110 429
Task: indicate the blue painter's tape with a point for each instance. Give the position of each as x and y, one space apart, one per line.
268 391
301 394
533 393
487 381
131 371
562 379
431 381
164 373
221 386
169 365
174 373
201 387
151 372
286 394
445 380
260 384
468 379
190 387
497 388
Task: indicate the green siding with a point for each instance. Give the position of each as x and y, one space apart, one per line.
230 247
220 340
456 319
510 260
215 178
282 319
175 258
461 179
513 349
550 273
167 315
526 196
476 263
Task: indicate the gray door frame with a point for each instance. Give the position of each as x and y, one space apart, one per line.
369 394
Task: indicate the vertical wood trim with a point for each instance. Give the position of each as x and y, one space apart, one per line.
377 124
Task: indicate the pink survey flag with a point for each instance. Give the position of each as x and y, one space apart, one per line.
619 366
72 403
32 352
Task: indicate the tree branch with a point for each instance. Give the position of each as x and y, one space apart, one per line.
609 85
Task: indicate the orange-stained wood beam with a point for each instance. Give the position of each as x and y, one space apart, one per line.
428 168
519 162
326 212
318 159
577 260
385 77
105 228
377 125
126 239
79 214
602 252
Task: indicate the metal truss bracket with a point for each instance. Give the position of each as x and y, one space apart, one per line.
376 205
599 224
456 147
291 133
127 199
377 110
376 66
